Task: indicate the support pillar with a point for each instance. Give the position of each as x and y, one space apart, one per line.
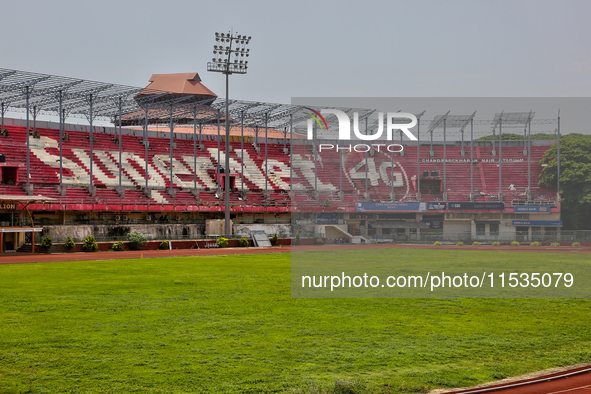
500 159
146 144
419 159
266 150
171 192
61 116
558 158
291 196
444 159
27 133
195 148
91 141
242 151
366 194
219 190
120 146
472 159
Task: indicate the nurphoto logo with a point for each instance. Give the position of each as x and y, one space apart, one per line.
402 121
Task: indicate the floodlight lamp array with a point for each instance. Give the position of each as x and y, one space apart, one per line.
230 56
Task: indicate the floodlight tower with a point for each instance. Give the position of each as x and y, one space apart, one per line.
229 58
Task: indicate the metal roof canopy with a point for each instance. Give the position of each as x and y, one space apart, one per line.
46 94
108 99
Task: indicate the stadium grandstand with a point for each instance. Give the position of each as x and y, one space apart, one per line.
160 169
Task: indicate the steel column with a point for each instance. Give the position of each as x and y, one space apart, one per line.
493 140
315 161
472 157
340 171
195 148
419 156
34 119
61 116
266 150
227 227
171 142
91 138
28 167
445 155
120 141
392 167
291 154
284 137
146 144
219 164
529 159
500 158
242 150
558 156
366 165
195 158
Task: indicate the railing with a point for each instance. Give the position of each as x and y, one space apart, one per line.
549 203
467 238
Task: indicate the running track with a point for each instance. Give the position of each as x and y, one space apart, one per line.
574 381
42 258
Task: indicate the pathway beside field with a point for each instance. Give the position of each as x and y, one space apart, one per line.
19 258
129 254
572 381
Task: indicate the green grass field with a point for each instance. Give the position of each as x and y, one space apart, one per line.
228 324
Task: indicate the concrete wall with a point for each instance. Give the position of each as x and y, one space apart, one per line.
282 230
215 227
454 227
329 231
152 231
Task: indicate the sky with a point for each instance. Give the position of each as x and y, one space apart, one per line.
314 48
336 49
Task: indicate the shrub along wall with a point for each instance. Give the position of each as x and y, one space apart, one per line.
184 244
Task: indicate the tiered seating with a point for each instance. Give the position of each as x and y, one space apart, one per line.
272 176
12 190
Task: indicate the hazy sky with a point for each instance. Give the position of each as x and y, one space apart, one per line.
314 48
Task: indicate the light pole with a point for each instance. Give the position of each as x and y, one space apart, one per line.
229 58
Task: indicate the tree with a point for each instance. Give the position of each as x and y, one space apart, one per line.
136 240
575 179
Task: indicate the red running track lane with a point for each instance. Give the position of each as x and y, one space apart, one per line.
41 257
505 248
574 381
127 254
